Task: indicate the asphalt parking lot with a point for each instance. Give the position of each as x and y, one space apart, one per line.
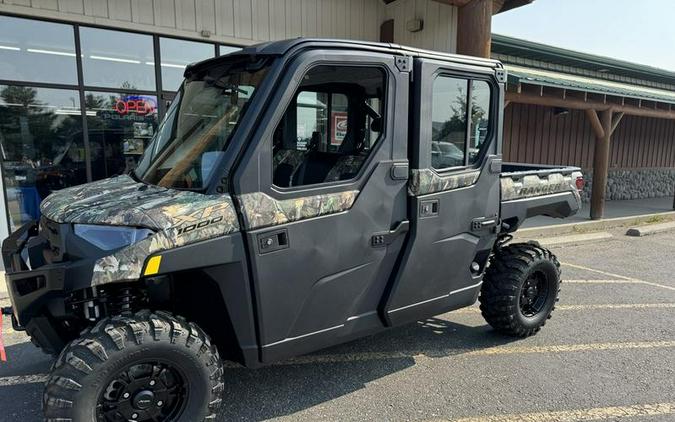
607 354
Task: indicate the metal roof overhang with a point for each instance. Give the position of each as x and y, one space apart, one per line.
524 75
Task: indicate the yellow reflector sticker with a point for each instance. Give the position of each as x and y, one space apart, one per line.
152 267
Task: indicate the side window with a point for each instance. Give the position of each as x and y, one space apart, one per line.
330 127
454 141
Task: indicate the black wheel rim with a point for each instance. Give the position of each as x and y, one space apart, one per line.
145 391
534 294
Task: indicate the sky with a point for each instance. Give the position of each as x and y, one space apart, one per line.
639 31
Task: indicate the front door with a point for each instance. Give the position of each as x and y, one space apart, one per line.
323 197
454 190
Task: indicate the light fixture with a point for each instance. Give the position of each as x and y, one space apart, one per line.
177 66
55 53
7 47
560 111
115 59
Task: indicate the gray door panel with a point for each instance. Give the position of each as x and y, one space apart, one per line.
454 214
321 279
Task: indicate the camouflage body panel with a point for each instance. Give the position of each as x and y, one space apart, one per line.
179 218
261 210
514 187
425 181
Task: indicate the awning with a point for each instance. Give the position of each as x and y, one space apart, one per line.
525 75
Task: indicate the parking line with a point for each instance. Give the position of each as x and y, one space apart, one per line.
586 307
469 352
581 267
602 281
416 355
593 414
22 379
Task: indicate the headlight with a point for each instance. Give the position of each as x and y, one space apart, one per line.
110 237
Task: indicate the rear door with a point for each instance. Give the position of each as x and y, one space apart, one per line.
454 190
323 195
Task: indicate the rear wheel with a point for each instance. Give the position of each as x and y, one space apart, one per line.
145 367
520 289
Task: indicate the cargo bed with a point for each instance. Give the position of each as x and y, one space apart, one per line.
531 190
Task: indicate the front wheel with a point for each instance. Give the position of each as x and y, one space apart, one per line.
142 367
520 289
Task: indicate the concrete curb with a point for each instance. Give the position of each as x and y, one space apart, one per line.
571 240
650 229
591 226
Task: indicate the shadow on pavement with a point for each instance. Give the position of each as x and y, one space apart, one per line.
281 390
287 388
24 359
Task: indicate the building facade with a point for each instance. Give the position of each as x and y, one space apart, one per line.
555 101
85 83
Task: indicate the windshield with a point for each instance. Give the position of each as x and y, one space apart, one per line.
199 125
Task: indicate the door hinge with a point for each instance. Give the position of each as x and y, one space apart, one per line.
404 63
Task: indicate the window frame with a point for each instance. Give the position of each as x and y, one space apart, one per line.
469 77
386 80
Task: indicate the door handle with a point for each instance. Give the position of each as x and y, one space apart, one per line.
385 238
272 241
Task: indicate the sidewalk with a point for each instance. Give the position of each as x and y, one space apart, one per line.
613 209
3 286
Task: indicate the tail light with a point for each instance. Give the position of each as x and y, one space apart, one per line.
580 183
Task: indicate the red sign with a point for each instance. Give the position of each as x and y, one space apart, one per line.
338 128
137 104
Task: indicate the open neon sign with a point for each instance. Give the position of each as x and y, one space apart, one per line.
137 104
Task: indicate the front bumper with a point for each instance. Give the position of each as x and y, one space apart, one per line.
33 290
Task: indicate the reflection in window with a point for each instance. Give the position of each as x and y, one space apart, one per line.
227 49
480 118
330 127
176 54
37 51
41 146
117 59
448 122
119 128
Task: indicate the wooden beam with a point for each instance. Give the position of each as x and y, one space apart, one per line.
579 104
593 118
616 120
601 166
474 28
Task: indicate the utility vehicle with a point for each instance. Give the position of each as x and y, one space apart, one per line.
298 194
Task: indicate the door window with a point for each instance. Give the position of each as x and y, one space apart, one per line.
330 127
458 138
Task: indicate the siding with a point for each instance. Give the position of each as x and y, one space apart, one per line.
532 134
231 21
440 24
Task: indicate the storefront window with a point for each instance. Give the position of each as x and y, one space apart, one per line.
117 59
176 54
227 49
37 51
41 146
119 128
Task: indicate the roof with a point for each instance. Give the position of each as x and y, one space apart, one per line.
539 77
505 45
278 48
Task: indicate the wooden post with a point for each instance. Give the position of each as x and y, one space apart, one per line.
601 166
474 28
